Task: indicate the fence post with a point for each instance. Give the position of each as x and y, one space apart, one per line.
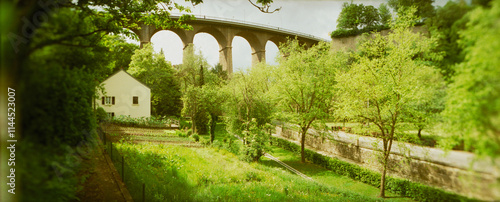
111 150
123 173
143 192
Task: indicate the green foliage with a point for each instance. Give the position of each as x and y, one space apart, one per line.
64 114
473 105
446 25
145 122
416 191
355 19
389 81
303 89
425 9
199 174
355 16
195 137
256 142
247 98
120 52
153 70
101 115
385 14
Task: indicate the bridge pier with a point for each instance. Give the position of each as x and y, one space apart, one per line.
258 57
226 59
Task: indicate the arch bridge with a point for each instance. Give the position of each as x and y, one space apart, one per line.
224 30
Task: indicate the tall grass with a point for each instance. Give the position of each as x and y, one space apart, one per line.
173 173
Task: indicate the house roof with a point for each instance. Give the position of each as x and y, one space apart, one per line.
121 70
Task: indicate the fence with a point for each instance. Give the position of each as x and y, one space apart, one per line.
135 186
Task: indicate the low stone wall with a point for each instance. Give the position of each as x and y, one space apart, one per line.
454 171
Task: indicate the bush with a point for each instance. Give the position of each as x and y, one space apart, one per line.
101 115
147 122
180 133
195 137
416 191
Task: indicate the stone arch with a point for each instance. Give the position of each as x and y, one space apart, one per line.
172 44
216 33
278 40
272 50
257 44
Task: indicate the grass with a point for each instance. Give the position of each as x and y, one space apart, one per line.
173 173
325 176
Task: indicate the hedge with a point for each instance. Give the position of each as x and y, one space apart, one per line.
403 187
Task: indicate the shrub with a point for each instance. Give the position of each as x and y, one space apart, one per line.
147 122
101 115
195 137
180 133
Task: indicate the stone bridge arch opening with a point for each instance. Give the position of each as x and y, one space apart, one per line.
272 51
242 54
208 46
170 43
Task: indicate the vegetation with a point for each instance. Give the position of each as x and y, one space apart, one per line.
146 122
388 79
303 89
199 174
473 102
416 191
155 72
57 63
355 19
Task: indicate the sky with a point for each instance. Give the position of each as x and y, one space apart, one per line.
317 18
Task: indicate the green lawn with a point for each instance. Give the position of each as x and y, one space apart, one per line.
324 176
174 173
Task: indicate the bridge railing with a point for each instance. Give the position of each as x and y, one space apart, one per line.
248 23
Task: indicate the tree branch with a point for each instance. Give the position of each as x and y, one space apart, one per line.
264 8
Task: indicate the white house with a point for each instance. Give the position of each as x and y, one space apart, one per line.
125 95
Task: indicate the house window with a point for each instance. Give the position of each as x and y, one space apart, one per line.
135 100
108 100
111 114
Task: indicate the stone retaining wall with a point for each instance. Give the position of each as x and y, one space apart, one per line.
454 171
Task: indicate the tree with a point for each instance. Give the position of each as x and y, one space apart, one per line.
390 76
446 25
153 70
385 14
356 16
248 98
192 73
304 87
213 97
425 9
473 105
120 51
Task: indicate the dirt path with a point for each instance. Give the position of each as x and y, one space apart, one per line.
103 182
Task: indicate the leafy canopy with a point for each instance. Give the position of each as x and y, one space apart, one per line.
152 69
473 105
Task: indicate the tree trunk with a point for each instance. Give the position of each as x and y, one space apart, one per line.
193 124
212 127
382 180
419 133
302 144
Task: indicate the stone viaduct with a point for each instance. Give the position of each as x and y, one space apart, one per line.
224 30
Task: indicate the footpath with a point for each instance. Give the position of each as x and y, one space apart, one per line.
103 182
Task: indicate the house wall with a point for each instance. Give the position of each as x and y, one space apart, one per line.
123 87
